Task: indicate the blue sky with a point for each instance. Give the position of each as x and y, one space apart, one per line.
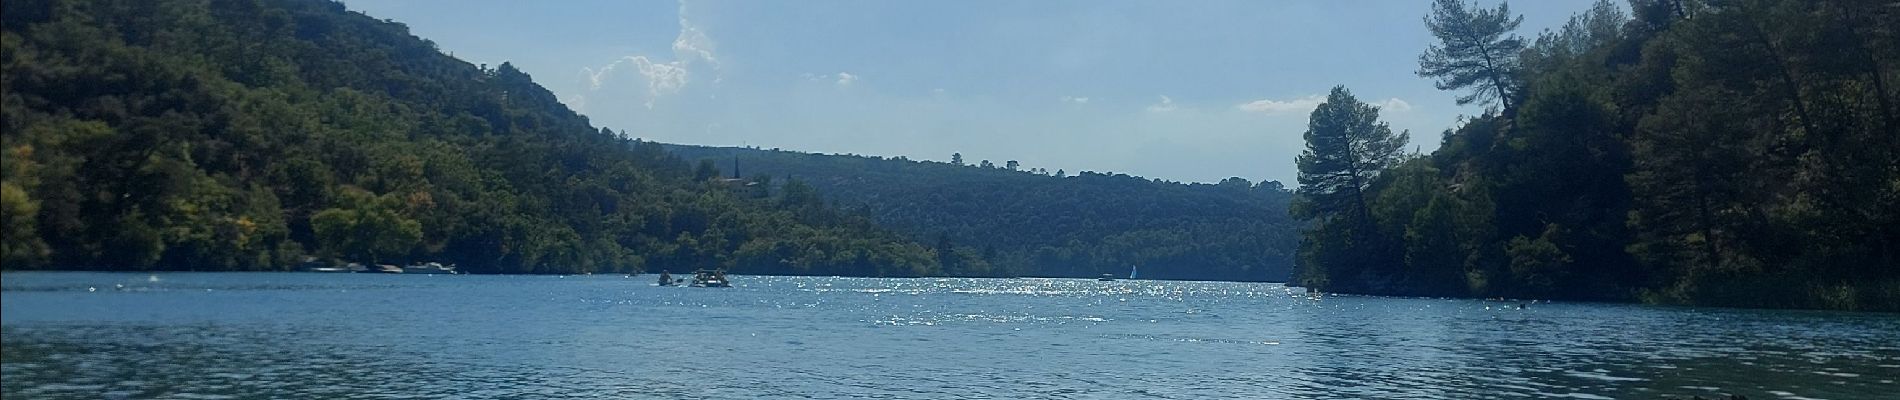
1189 91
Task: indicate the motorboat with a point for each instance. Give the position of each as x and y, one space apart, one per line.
711 279
429 268
1106 278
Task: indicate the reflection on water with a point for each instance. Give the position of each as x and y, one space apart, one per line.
85 335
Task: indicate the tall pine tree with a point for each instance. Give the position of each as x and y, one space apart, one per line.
1346 149
1476 50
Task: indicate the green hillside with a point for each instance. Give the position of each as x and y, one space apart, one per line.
1035 223
247 134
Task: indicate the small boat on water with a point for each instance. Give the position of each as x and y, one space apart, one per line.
710 278
313 264
1106 278
429 268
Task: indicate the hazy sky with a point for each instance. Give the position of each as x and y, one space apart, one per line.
1179 90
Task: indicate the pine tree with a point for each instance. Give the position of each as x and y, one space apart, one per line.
1476 50
1346 147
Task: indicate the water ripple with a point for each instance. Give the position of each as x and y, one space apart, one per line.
360 336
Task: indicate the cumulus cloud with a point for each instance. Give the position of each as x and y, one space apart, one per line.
663 78
1074 99
1166 105
1270 106
1393 105
846 78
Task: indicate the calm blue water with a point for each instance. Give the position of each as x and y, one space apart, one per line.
285 335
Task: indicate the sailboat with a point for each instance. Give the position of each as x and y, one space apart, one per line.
1132 270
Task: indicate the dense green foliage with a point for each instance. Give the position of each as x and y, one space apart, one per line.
1720 152
1009 220
246 134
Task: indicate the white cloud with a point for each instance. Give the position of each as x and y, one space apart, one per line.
693 42
1166 105
1270 106
1307 103
840 79
1393 105
576 102
668 77
1074 99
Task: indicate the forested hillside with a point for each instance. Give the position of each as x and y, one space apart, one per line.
1003 219
1717 152
247 134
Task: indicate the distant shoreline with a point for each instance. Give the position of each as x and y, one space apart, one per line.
1287 284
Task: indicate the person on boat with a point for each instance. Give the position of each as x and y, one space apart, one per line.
665 278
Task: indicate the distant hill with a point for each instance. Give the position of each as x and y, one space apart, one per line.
246 135
1039 224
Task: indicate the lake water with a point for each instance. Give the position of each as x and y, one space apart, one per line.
297 335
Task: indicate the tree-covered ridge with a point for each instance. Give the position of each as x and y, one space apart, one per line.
1717 152
246 134
1003 219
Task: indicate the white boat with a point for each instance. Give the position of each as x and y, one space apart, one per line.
430 268
1132 270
